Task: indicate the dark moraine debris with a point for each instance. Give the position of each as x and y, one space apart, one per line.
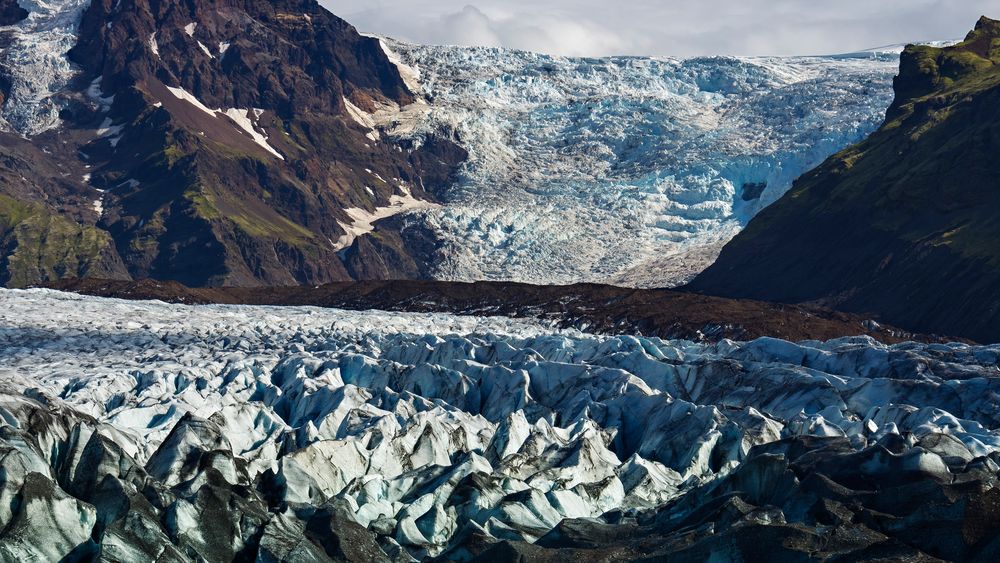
596 308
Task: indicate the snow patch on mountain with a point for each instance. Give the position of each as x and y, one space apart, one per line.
241 117
424 426
205 50
600 169
409 74
182 94
153 45
389 118
363 221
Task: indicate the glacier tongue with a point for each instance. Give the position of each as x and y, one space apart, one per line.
423 428
632 170
36 64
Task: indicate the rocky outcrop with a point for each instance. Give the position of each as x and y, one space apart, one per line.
902 225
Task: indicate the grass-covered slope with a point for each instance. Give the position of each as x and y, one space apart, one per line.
36 244
905 224
48 215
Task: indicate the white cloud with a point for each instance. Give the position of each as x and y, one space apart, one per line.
668 27
470 25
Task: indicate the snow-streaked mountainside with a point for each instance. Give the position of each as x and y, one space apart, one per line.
229 428
631 170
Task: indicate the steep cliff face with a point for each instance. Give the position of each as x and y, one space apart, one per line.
903 224
244 146
234 142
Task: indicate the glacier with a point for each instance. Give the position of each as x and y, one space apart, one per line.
628 170
34 59
424 428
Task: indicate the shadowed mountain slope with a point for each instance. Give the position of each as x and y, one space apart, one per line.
903 225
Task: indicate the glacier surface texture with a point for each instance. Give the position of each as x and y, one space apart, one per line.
630 170
148 430
35 58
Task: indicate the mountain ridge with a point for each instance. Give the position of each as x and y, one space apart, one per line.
217 145
900 225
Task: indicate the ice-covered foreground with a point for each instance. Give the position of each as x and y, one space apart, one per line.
221 426
633 170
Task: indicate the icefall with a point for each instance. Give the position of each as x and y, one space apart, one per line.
601 170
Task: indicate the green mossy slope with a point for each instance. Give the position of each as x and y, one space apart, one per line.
38 246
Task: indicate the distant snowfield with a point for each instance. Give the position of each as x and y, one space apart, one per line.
395 413
629 170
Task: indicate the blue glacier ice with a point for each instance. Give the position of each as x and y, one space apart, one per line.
34 60
631 170
422 425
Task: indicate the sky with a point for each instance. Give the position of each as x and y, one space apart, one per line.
668 27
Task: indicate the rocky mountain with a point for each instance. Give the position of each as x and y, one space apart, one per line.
210 142
903 224
304 434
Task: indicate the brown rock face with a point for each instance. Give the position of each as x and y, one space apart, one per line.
220 134
254 193
289 57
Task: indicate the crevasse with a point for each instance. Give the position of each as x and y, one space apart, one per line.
423 425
